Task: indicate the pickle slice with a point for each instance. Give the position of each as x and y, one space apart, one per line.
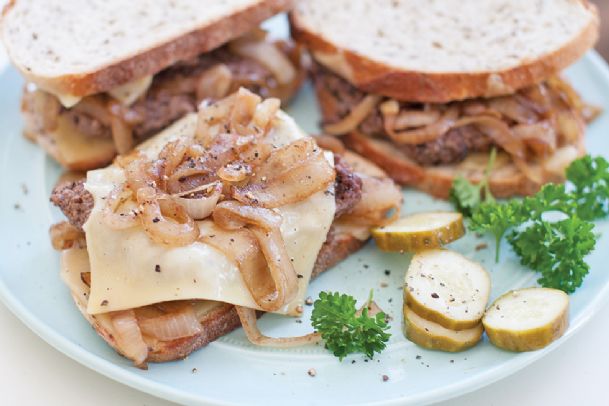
433 336
447 288
527 319
420 231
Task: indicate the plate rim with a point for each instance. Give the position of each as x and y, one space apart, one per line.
164 391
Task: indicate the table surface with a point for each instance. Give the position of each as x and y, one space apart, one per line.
34 373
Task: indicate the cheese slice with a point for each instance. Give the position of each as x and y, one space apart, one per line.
124 262
68 100
128 93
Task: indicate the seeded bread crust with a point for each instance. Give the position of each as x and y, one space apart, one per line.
375 77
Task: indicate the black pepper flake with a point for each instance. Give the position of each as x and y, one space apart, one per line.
366 266
418 357
194 370
385 378
435 295
299 276
104 303
353 361
387 272
157 268
156 220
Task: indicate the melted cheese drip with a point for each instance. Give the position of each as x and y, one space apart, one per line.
127 93
123 262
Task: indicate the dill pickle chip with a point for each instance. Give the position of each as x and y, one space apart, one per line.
420 231
527 319
433 336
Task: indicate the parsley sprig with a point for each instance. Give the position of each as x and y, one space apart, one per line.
556 249
466 196
344 330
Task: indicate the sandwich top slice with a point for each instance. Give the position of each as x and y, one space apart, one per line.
235 206
100 81
428 89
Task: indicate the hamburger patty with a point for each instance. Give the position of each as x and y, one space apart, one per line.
172 93
449 148
76 202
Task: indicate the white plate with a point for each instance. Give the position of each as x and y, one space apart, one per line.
231 370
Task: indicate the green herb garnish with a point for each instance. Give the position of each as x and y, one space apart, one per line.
467 196
556 249
343 330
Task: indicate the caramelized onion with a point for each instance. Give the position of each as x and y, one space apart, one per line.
508 106
330 143
64 236
570 126
556 164
498 131
355 116
419 135
121 132
141 173
539 137
263 115
128 336
214 83
242 247
264 224
211 118
199 203
96 107
291 174
234 172
165 221
380 203
250 326
416 118
267 54
178 323
113 216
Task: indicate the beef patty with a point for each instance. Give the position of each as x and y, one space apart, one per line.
450 148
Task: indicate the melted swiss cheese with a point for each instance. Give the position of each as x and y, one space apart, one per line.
123 262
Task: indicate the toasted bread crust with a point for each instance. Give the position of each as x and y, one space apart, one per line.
379 78
161 56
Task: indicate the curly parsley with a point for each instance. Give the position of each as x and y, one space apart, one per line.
467 196
556 249
344 330
590 178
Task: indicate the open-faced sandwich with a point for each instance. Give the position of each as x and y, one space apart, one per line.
104 76
226 212
427 89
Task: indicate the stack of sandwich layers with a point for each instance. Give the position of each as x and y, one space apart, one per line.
99 84
218 205
427 89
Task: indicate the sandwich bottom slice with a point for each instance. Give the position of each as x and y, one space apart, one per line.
537 132
233 208
88 133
